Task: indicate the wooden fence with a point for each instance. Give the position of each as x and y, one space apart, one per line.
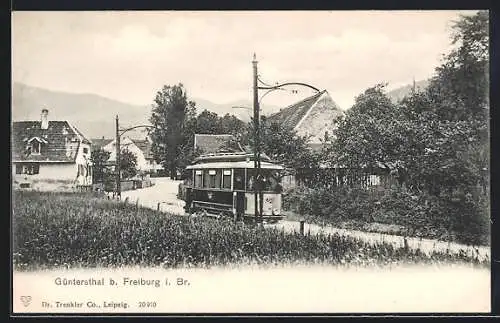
337 177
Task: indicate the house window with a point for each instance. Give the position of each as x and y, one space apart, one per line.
374 180
226 179
85 150
35 147
27 169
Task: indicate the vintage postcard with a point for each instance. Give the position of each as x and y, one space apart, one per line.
248 162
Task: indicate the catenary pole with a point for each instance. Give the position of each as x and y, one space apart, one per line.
117 166
256 120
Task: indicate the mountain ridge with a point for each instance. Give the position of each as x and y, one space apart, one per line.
399 93
94 114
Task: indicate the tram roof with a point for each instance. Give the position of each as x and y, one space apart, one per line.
236 164
229 157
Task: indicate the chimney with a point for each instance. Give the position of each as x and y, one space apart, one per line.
45 119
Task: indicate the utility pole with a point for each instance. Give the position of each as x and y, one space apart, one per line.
117 165
256 117
259 195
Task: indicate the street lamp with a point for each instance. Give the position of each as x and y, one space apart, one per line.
256 109
119 133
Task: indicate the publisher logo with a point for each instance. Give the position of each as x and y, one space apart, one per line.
26 300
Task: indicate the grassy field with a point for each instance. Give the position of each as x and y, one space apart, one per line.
78 230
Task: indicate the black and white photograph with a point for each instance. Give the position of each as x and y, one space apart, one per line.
250 162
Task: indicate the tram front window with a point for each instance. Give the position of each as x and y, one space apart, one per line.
239 179
270 181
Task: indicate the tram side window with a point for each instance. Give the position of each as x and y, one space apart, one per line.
226 179
198 178
213 179
206 179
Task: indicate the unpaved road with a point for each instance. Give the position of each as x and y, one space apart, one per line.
425 245
165 190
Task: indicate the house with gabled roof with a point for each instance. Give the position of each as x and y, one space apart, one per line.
50 154
313 116
140 148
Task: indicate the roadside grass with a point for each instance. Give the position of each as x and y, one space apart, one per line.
67 230
374 227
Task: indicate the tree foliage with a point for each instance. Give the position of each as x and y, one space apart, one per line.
285 146
128 164
174 121
433 140
100 169
208 122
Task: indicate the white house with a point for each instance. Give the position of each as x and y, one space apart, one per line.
140 148
50 154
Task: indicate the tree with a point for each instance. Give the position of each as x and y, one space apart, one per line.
128 164
460 88
230 124
174 121
370 135
457 103
99 160
432 140
208 123
286 147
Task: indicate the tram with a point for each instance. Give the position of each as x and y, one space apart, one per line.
223 184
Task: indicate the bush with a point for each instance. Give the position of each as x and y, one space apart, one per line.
452 217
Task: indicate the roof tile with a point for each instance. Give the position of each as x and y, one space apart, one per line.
62 141
291 115
216 143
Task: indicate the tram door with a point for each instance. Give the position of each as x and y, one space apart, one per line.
239 184
240 204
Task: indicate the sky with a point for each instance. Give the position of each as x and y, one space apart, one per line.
129 56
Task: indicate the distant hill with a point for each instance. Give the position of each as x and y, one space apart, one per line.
399 93
95 115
